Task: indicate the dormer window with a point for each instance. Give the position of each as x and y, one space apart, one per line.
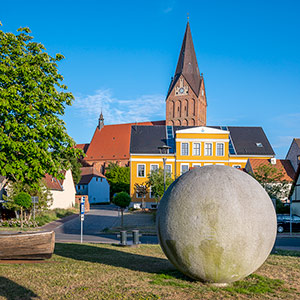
260 145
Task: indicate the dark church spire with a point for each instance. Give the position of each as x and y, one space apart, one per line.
187 63
101 121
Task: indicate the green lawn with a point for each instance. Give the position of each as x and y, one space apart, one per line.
90 271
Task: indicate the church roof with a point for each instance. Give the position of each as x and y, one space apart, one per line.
187 64
112 142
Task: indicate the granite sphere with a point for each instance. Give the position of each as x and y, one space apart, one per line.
216 224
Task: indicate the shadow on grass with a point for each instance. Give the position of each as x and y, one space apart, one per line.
117 258
11 290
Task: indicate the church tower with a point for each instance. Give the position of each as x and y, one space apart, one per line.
186 99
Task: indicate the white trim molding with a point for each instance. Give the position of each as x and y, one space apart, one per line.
208 140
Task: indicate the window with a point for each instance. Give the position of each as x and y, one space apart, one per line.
196 149
184 149
150 193
78 186
260 145
196 165
208 149
141 171
169 169
220 149
153 168
208 164
97 178
184 168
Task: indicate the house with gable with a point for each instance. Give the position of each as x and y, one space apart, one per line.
94 184
282 166
293 153
62 191
295 193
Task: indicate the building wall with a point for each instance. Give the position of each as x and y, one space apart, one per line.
294 151
187 109
296 198
66 197
177 160
98 190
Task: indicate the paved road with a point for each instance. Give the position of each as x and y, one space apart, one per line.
101 217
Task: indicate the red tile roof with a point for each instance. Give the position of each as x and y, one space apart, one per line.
112 142
83 147
282 165
87 174
52 183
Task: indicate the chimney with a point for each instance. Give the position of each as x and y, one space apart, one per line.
273 160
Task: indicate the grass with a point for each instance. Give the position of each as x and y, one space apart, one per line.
89 271
45 217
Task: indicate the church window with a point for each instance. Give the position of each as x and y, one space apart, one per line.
196 149
208 149
184 149
220 149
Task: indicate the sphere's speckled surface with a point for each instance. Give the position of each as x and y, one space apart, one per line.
216 224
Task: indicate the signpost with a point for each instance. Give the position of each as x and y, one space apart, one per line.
81 217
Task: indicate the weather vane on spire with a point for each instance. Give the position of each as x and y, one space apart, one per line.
188 17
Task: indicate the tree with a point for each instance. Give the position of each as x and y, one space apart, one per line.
23 201
272 181
43 193
122 200
141 190
118 178
156 182
33 139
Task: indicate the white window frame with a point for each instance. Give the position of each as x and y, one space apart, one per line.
181 165
153 165
217 149
221 164
212 148
170 168
208 164
196 165
150 193
137 170
188 145
199 149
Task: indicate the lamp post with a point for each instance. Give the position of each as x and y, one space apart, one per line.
164 150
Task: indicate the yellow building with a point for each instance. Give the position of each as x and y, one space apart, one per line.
188 148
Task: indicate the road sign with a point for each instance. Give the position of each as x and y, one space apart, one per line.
35 199
82 208
82 218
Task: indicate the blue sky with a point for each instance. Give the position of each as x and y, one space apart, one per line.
120 56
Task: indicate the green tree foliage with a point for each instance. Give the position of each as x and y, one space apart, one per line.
156 182
122 200
75 168
118 178
43 194
23 201
272 181
33 139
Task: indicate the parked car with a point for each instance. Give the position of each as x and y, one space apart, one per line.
283 223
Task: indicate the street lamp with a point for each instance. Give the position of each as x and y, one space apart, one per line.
164 150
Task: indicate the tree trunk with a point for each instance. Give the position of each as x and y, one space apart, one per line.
122 220
21 217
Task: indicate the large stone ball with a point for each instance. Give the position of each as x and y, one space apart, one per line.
216 224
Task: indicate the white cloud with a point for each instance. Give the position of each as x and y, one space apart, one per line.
116 111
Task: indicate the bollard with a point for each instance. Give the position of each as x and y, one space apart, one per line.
136 237
123 238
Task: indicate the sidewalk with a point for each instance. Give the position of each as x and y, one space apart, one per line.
55 224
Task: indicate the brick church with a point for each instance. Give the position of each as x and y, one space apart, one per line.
186 105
